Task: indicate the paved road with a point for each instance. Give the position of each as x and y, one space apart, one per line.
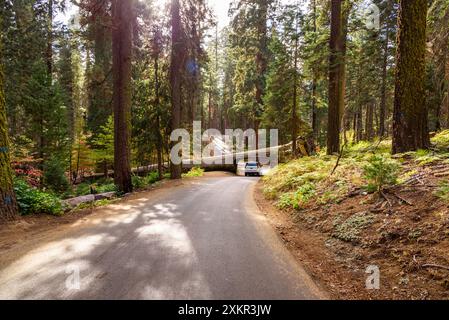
203 240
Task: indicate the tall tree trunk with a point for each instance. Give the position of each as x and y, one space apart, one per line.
383 98
49 53
99 108
410 127
157 103
175 77
122 11
335 81
315 127
8 203
446 74
295 99
369 123
261 62
358 124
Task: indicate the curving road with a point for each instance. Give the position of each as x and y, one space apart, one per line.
204 239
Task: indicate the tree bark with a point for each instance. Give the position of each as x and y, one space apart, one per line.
315 127
156 49
335 78
8 203
122 11
295 98
261 62
410 127
369 123
383 99
175 77
49 52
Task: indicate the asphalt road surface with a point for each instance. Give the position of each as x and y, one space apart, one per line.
202 240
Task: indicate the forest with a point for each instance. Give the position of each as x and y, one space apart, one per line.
91 90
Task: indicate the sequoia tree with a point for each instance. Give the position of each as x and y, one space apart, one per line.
410 128
175 76
122 12
8 205
336 102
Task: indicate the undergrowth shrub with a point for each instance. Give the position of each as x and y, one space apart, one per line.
194 172
142 182
443 190
298 199
380 172
34 201
54 176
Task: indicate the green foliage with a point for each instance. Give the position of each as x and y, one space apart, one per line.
54 176
291 176
443 190
82 189
104 143
298 199
442 140
350 229
34 201
381 171
194 172
103 188
142 182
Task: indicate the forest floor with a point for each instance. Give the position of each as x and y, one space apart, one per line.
342 230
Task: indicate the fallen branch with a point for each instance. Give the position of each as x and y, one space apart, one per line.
402 199
339 158
385 197
435 266
442 174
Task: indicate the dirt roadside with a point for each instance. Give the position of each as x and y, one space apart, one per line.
392 243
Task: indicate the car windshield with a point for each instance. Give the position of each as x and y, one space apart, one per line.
251 165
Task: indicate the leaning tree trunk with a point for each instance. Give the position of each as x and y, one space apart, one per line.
122 11
175 78
410 127
8 204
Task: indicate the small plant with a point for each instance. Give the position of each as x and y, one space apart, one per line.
142 182
298 199
82 189
34 201
349 230
138 182
380 172
110 187
194 172
443 190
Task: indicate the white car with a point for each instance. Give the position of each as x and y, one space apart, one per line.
252 169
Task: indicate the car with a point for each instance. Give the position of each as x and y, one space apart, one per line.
252 169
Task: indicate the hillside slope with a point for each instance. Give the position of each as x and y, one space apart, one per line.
340 224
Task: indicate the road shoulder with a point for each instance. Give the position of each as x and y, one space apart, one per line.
309 250
267 223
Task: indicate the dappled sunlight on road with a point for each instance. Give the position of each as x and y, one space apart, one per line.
133 240
196 241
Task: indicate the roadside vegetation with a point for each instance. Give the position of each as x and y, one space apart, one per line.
194 172
375 209
50 198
